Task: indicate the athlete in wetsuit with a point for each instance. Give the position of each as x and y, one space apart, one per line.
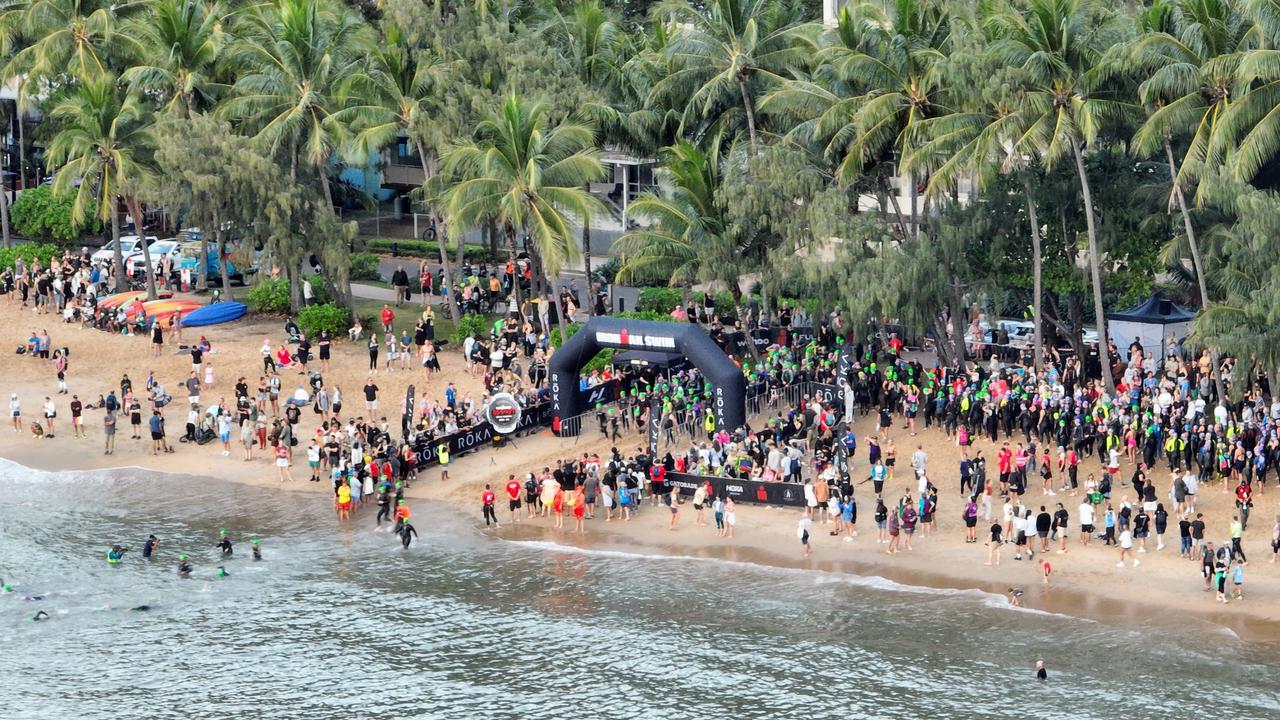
42 615
222 572
407 533
224 543
184 567
257 551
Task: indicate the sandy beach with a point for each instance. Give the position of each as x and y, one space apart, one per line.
1085 581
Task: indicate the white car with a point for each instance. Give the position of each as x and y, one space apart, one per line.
158 250
129 244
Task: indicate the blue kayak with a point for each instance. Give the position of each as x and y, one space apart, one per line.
214 314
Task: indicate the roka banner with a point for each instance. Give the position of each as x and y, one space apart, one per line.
477 436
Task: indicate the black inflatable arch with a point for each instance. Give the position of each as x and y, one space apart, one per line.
729 400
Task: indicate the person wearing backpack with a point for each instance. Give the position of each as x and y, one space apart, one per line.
971 520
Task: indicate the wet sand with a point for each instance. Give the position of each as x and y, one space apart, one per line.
1085 581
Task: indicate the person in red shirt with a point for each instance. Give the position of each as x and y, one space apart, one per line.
486 507
388 317
513 496
1004 461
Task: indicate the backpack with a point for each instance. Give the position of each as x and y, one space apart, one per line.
971 511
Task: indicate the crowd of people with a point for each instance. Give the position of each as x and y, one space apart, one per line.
1039 450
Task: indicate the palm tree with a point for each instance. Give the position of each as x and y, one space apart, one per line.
1058 46
296 55
1248 133
101 151
1189 52
529 175
718 54
977 142
182 41
879 76
590 37
78 37
685 223
398 97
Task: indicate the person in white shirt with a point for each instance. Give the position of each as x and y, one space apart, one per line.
15 412
1086 522
1126 548
50 412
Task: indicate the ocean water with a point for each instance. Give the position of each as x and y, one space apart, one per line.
343 623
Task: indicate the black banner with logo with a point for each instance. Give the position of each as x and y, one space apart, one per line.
741 490
655 428
478 436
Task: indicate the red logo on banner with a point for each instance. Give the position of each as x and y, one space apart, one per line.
623 335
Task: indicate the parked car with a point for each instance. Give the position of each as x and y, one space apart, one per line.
129 244
135 264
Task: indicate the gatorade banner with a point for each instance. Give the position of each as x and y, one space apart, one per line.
741 490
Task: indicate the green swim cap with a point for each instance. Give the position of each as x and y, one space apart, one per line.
399 502
183 556
222 532
253 541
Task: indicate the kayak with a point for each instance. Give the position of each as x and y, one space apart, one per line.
112 301
164 308
214 314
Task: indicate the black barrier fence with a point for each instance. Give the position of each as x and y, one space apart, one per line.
741 490
479 436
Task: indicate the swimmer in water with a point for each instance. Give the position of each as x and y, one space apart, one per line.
224 543
42 615
1041 673
116 553
150 546
257 551
222 572
140 608
407 533
184 567
1015 597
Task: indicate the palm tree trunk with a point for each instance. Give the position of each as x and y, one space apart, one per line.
589 300
447 272
117 256
4 213
221 244
428 172
1037 340
1195 262
897 208
1095 272
202 283
915 217
22 139
136 210
295 287
751 115
515 266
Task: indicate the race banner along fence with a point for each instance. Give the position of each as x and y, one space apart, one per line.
480 435
742 490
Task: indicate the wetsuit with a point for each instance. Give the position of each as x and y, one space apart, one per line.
184 569
148 546
257 553
225 544
406 533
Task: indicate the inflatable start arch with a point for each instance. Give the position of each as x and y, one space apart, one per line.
729 387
